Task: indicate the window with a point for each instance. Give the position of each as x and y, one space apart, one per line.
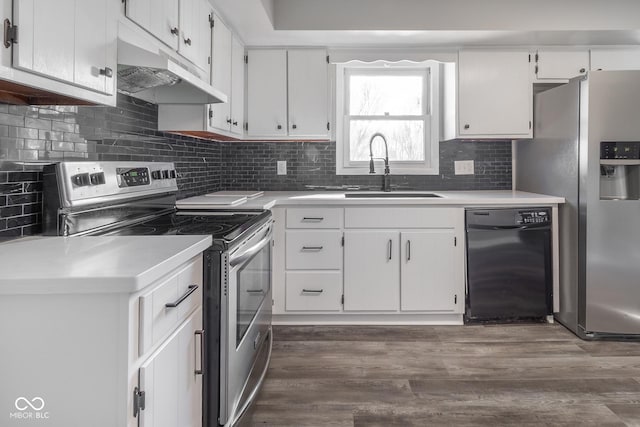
395 100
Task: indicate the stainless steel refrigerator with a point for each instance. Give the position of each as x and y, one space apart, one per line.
586 148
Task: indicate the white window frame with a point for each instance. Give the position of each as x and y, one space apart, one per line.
431 118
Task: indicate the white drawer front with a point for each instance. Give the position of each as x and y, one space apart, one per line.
313 250
317 291
314 218
182 289
407 217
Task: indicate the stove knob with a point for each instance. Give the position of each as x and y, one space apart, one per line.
165 174
97 178
155 174
172 173
81 179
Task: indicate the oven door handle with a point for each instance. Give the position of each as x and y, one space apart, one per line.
236 259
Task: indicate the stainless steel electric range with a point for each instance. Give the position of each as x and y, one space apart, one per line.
137 198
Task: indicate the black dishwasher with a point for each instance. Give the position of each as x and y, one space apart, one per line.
508 265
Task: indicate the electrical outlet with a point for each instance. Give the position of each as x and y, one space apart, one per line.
282 167
463 167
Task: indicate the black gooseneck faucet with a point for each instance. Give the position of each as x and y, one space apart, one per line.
386 179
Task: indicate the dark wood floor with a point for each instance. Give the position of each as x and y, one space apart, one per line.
516 375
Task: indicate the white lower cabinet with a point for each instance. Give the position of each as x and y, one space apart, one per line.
313 291
87 353
371 270
370 264
428 271
172 378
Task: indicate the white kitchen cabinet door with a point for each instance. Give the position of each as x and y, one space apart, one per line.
195 31
237 86
495 94
267 92
95 46
173 392
308 77
46 37
72 41
159 17
428 275
561 64
371 270
615 59
220 116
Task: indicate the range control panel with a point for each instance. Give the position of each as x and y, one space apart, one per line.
537 216
620 150
131 177
90 182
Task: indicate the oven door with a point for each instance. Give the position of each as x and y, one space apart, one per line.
246 322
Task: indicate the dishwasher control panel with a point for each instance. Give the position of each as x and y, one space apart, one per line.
534 216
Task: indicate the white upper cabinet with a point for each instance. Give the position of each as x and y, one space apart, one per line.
183 25
195 31
69 40
560 64
227 74
267 92
159 17
308 77
495 94
220 115
237 86
296 79
615 59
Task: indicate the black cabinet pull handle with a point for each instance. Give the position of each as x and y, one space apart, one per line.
228 120
312 291
390 246
200 333
466 126
312 248
294 127
188 41
312 218
174 31
191 289
106 71
279 127
408 250
235 123
582 70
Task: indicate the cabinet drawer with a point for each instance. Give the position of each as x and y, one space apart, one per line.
313 250
317 291
400 217
182 289
314 218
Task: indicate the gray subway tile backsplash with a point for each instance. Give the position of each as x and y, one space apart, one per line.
33 135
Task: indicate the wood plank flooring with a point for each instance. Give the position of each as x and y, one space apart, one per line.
497 375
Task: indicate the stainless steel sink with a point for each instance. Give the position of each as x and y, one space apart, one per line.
389 195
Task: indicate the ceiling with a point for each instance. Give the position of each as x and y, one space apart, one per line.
432 23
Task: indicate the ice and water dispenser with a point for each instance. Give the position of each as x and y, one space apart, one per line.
620 170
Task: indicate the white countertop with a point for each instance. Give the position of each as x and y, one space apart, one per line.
58 265
457 198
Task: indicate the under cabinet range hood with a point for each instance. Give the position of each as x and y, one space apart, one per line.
150 74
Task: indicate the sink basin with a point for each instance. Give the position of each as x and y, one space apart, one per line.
389 195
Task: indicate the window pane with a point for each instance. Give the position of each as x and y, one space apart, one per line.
404 137
375 95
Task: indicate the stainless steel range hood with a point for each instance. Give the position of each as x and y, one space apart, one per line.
150 74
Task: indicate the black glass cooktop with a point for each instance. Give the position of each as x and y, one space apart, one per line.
224 225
